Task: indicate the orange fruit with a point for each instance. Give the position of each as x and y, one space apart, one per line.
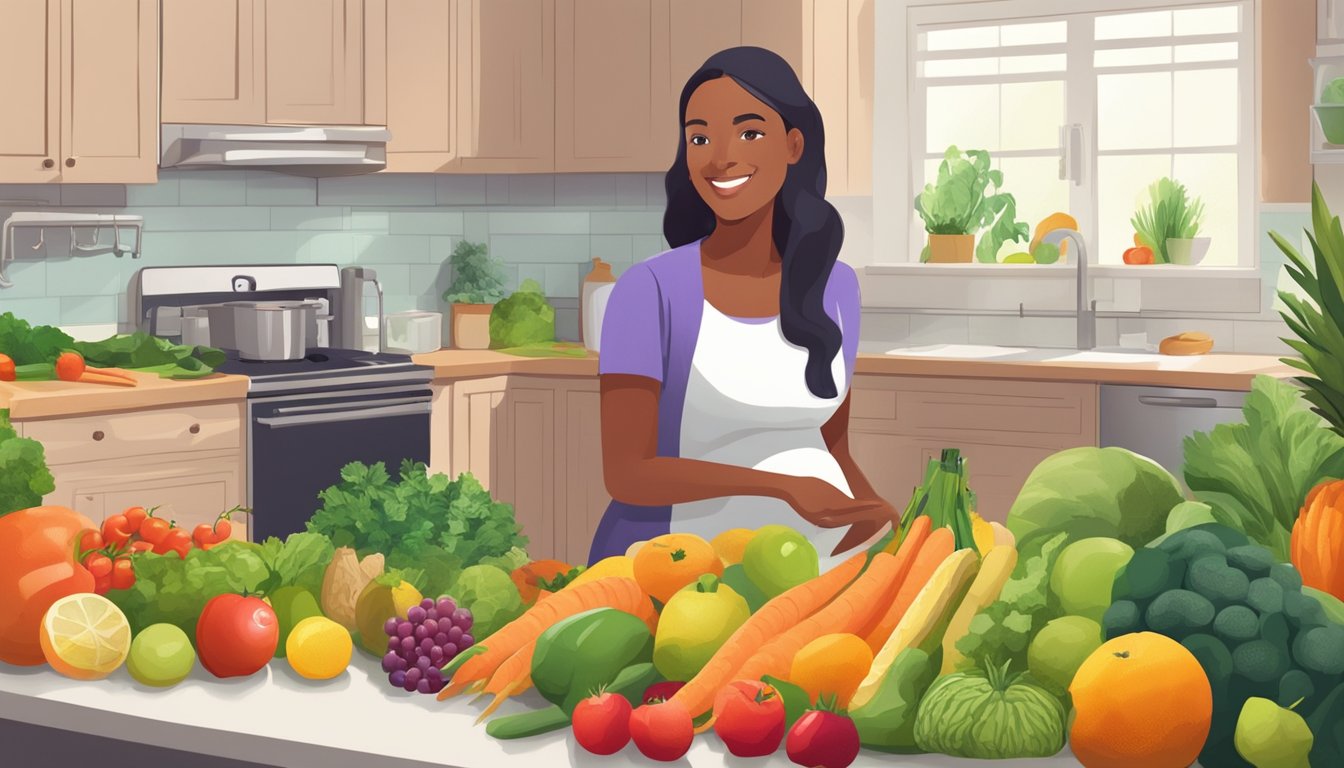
832 665
85 636
671 561
731 544
1140 699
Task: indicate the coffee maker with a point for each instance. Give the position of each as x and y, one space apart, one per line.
351 326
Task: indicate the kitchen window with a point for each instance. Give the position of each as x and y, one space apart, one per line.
1082 104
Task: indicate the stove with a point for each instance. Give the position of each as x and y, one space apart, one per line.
325 369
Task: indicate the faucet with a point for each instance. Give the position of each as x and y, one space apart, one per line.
1086 311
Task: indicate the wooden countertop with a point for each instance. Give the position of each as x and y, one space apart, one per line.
1215 371
39 399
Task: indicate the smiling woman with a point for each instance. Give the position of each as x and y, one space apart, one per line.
726 361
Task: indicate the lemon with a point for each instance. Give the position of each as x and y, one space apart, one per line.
405 595
319 648
730 545
85 636
378 602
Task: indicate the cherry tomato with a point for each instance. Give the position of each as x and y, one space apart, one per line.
177 540
602 723
98 564
101 586
123 573
116 530
236 635
87 541
662 731
154 530
141 546
749 717
823 740
135 517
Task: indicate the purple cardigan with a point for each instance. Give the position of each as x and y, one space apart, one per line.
656 307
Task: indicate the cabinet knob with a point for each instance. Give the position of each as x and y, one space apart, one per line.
48 163
69 162
98 435
194 429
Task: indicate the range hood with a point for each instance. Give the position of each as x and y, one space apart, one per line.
301 150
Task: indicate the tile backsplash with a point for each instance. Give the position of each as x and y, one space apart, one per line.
544 227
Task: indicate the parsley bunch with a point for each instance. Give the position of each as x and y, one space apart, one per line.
1000 633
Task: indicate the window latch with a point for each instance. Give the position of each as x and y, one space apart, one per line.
1071 153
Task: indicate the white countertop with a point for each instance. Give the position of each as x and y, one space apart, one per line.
277 718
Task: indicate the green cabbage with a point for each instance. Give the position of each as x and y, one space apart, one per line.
490 595
1334 92
522 318
1089 492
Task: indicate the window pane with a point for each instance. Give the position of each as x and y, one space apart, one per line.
1208 21
1134 110
1213 179
1042 33
1036 187
1021 65
1122 185
959 67
1130 57
1031 115
1206 108
1130 25
965 115
1206 52
959 39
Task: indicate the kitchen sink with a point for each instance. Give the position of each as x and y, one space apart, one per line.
1099 355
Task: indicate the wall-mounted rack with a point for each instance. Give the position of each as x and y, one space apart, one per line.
44 220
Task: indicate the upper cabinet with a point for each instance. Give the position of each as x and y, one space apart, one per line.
83 80
251 62
410 70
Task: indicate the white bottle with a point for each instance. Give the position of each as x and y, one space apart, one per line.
597 286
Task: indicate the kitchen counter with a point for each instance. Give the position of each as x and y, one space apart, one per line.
1214 371
38 399
356 720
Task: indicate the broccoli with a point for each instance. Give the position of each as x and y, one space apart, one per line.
1274 629
1294 686
1211 577
1286 576
1179 612
1265 595
1260 661
1191 543
1252 560
1122 618
1149 573
1321 650
1213 656
1303 611
1236 624
1230 537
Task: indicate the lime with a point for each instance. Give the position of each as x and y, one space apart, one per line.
778 558
1084 572
1060 648
319 648
161 655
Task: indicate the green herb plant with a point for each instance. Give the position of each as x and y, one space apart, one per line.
24 478
477 277
965 199
1000 634
1170 213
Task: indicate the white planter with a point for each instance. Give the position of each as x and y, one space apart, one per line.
1187 251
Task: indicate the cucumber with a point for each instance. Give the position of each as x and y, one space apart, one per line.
631 683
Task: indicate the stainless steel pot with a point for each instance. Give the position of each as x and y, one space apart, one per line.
267 330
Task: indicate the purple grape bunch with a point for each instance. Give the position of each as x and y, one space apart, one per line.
418 646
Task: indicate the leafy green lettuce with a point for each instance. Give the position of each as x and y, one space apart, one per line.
522 319
24 478
139 351
1000 633
1256 474
490 595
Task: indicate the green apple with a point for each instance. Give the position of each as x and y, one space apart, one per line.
778 558
161 656
1084 573
1270 736
1060 648
293 604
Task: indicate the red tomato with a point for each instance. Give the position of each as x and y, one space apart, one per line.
749 717
602 723
99 565
177 540
123 573
661 691
88 540
37 569
135 517
662 731
154 530
117 530
236 635
141 546
823 740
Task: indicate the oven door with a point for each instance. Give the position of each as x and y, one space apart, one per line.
299 445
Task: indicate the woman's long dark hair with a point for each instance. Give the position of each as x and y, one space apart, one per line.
807 230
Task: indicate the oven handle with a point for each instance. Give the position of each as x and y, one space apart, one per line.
340 407
310 419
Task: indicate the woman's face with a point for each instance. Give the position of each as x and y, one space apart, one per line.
737 150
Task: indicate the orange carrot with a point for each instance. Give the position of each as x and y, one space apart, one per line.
854 609
612 592
906 554
937 548
512 678
776 616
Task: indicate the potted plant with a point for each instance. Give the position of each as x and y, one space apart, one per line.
1167 225
478 283
965 199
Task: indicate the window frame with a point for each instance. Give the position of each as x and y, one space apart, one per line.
896 100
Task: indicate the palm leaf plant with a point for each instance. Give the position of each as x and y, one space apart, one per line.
1318 320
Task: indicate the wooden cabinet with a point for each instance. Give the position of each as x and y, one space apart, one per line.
83 95
315 62
525 449
213 61
187 461
411 69
1003 428
580 484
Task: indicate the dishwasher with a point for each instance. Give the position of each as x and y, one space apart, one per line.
1154 421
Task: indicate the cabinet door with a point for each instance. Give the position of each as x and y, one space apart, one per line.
525 431
109 91
212 61
696 30
611 61
411 66
579 475
441 431
30 45
506 86
475 411
315 62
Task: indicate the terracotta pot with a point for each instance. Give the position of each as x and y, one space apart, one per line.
951 249
471 326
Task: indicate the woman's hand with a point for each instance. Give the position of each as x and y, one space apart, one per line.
825 506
